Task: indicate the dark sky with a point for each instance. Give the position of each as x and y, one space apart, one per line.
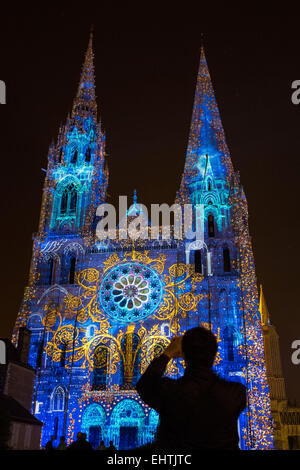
146 67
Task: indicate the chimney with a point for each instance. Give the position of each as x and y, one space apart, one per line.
24 344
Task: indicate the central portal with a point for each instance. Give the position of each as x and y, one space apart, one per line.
128 437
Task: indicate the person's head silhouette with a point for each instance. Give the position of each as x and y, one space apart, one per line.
199 347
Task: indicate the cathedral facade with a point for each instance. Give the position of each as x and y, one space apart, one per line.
100 310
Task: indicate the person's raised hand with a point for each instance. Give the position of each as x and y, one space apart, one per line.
174 350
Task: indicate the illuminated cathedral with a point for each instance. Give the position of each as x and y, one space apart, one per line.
100 310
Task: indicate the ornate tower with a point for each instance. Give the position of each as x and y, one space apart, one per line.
226 258
75 183
76 177
286 417
100 311
273 360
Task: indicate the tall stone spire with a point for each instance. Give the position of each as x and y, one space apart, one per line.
206 138
273 362
85 102
263 309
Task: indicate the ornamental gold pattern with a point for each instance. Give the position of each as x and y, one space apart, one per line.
99 312
85 307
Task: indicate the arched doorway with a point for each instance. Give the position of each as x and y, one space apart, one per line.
93 423
153 423
127 424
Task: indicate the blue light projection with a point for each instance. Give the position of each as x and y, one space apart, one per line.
74 179
128 415
99 313
130 292
93 424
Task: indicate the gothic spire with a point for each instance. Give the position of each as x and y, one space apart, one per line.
206 137
263 308
85 102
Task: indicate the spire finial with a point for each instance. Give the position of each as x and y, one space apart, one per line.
91 35
263 309
202 44
85 101
134 197
201 40
206 136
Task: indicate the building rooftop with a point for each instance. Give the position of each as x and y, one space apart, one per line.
16 411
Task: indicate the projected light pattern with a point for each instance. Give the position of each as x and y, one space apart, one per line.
130 292
93 424
98 314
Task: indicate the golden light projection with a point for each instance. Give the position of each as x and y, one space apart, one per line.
86 307
100 312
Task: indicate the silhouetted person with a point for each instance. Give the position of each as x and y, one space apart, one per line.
62 443
81 443
102 446
199 410
111 447
49 445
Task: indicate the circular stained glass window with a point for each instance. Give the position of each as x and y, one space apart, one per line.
130 292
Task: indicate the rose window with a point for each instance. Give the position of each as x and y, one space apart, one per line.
130 292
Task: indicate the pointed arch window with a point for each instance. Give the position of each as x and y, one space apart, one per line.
39 355
69 200
64 202
72 270
209 185
198 261
230 349
226 260
74 157
58 399
101 358
229 340
73 201
88 155
211 225
68 268
50 270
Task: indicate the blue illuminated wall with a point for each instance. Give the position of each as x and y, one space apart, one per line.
99 312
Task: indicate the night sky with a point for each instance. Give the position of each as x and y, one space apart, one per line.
146 68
